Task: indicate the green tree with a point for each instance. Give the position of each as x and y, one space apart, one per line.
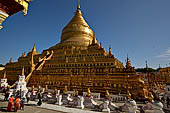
1 65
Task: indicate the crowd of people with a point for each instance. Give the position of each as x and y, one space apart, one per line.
16 102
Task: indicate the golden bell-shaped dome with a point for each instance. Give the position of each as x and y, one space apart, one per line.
77 31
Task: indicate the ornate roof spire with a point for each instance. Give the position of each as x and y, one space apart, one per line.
34 48
110 51
128 64
10 60
78 6
94 40
101 45
146 66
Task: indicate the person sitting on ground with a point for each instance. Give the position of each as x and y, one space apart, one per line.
22 104
10 103
17 104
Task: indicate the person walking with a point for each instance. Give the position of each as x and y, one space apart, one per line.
10 103
39 99
6 95
22 104
28 96
17 104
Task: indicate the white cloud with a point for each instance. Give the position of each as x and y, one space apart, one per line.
165 55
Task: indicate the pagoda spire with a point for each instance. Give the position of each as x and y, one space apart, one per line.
78 6
128 64
101 45
110 51
34 49
94 40
146 66
10 60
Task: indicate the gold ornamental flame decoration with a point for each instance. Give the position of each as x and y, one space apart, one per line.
56 91
76 92
88 92
107 94
4 74
128 94
65 90
151 97
39 88
46 88
32 88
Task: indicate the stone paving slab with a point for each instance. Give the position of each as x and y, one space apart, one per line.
62 108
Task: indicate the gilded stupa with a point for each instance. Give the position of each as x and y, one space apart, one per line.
78 62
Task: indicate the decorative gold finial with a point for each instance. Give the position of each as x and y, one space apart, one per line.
46 88
78 6
55 91
128 94
110 51
76 92
88 92
4 74
65 90
39 88
107 94
23 55
10 60
34 49
128 64
22 73
101 45
146 66
32 88
151 97
94 39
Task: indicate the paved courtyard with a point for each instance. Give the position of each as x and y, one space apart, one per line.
30 108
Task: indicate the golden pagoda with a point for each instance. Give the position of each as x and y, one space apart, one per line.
77 61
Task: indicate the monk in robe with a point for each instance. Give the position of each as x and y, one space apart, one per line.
10 103
17 104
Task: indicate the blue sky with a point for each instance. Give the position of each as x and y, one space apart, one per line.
139 28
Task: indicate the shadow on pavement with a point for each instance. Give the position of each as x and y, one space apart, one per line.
4 109
30 105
